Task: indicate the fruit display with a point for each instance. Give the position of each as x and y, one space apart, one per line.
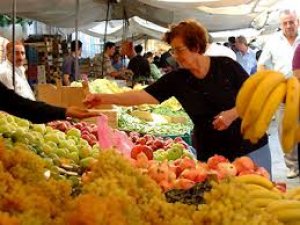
65 153
258 100
159 148
88 131
185 172
114 192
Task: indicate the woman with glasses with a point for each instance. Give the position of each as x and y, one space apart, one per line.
207 88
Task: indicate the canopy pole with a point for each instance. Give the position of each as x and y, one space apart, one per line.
14 9
105 36
76 40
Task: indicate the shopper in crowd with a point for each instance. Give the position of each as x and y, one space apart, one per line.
207 88
214 49
278 54
167 62
37 112
21 85
231 43
116 61
3 43
245 55
155 73
103 63
70 73
139 66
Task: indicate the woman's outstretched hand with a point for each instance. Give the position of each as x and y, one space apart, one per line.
92 100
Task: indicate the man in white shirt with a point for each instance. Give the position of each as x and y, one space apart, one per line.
214 49
22 87
278 54
245 56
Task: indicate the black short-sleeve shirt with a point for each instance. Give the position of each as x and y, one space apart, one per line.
205 98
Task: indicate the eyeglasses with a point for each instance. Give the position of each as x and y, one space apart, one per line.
177 50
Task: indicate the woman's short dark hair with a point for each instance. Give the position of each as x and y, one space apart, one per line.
193 33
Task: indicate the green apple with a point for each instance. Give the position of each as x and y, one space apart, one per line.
51 137
72 148
74 132
74 156
84 152
86 162
22 122
61 152
41 128
63 143
47 149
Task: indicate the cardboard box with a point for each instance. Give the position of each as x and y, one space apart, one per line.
64 96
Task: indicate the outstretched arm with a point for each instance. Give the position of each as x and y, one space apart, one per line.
127 99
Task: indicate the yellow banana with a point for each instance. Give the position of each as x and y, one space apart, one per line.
293 192
261 202
254 187
255 179
262 123
291 114
260 96
287 215
247 90
293 223
283 204
265 194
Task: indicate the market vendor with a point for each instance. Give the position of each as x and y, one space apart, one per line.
37 112
207 88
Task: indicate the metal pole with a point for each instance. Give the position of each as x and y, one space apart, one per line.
14 9
105 36
76 40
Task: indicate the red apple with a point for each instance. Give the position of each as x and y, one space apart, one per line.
141 148
213 161
244 163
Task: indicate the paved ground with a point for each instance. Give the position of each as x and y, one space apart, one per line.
278 166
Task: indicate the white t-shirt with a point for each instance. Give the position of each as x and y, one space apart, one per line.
3 43
278 54
219 50
22 87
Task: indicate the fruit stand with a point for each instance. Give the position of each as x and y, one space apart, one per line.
61 173
58 174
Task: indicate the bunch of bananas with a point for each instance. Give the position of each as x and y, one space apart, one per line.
264 195
258 100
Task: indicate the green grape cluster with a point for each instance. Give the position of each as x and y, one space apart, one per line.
228 203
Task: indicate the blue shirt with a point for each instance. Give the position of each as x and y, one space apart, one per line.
247 61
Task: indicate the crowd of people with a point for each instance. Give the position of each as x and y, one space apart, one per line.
204 76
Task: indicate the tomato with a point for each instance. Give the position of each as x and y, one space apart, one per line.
141 148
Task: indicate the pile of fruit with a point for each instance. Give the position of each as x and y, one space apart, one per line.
114 192
66 154
87 131
159 148
184 173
